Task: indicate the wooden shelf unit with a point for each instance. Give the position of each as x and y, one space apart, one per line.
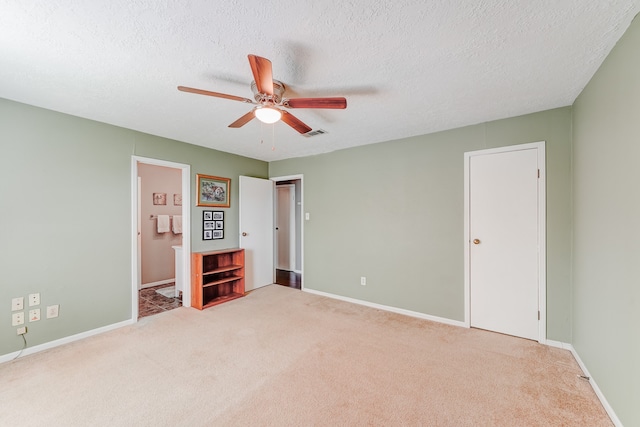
216 277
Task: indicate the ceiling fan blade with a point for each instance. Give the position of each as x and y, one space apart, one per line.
216 94
262 74
243 120
294 122
335 103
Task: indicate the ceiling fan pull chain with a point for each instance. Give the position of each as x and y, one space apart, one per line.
273 137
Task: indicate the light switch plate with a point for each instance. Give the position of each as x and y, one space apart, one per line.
17 304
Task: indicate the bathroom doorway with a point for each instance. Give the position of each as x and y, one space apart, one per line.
160 258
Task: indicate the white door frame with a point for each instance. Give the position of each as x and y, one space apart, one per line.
542 235
292 226
302 220
186 229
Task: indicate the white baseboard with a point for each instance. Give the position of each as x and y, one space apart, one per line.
56 343
389 308
161 282
585 371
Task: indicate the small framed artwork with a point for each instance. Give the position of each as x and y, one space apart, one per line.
207 234
159 198
207 215
218 215
217 234
177 200
219 225
209 225
213 191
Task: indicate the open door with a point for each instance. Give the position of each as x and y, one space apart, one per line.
256 230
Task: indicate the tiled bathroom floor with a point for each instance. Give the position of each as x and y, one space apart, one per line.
150 302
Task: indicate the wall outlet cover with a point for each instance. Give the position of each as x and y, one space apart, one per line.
17 318
34 299
34 315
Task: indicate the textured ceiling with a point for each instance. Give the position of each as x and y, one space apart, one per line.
406 67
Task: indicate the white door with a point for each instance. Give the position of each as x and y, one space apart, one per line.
285 227
503 247
256 230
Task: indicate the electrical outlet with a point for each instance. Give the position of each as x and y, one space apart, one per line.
17 304
17 318
21 330
34 299
363 281
34 315
52 311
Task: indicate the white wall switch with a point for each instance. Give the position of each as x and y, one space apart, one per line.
52 311
363 281
17 304
17 318
307 216
21 330
34 315
34 299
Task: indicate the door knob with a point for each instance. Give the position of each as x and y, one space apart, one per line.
244 234
476 241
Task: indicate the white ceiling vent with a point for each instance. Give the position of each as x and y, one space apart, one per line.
315 133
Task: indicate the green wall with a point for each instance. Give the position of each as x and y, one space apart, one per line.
65 215
606 260
393 212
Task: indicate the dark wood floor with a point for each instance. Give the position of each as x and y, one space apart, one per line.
288 278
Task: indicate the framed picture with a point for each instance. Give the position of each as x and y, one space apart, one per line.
219 225
218 215
207 234
217 234
207 215
209 225
159 198
177 200
213 191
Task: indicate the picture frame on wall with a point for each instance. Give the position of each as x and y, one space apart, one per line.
207 234
177 200
213 191
159 198
209 225
217 215
219 225
217 234
207 215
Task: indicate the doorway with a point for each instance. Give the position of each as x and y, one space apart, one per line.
505 279
288 229
160 210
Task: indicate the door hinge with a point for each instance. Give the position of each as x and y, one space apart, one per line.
538 173
538 314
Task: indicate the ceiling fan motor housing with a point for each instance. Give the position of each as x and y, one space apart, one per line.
263 98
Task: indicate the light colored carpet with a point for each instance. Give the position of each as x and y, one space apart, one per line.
169 291
281 357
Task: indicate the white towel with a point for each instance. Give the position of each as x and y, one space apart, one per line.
163 223
177 224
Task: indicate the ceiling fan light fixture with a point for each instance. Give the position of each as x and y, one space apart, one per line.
267 114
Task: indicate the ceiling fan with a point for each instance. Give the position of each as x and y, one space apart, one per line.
269 101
